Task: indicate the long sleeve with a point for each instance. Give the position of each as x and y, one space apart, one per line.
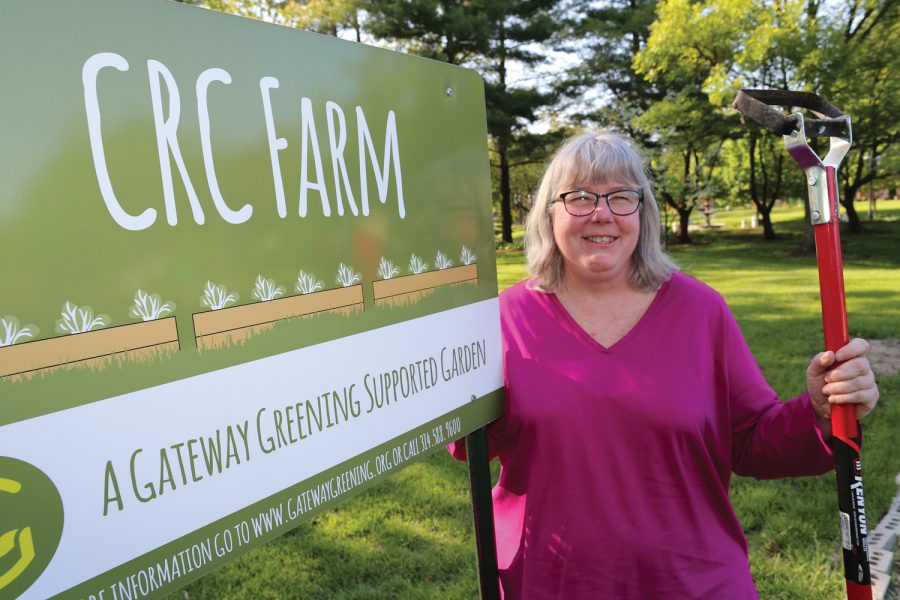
499 434
770 439
496 437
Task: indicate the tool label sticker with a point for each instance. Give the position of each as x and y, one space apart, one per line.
845 531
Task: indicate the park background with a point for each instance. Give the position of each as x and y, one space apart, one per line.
664 72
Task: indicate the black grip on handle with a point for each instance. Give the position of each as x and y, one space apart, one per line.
756 105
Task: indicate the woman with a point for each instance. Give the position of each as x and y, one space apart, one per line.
631 398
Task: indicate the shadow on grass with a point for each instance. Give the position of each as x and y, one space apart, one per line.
878 246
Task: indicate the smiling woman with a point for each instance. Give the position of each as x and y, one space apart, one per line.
612 164
630 387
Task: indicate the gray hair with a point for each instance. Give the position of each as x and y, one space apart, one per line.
595 158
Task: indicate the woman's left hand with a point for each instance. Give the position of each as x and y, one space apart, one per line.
851 382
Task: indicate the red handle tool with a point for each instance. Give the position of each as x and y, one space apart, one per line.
821 182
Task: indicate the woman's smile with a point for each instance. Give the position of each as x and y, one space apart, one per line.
601 239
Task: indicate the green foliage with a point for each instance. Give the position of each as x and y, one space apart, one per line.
846 51
528 156
606 37
723 44
331 17
861 40
708 51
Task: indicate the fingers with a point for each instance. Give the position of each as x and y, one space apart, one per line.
820 364
851 383
857 367
857 347
863 400
853 359
855 390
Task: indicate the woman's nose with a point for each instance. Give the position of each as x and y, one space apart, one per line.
602 212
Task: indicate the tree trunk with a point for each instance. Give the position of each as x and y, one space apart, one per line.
684 218
505 194
503 150
854 179
871 202
765 214
854 225
665 214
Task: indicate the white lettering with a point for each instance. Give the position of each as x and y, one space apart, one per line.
92 67
275 143
338 165
391 155
235 217
308 130
167 140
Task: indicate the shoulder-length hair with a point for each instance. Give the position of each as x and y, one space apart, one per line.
595 158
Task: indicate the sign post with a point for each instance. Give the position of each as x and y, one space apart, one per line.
483 513
246 272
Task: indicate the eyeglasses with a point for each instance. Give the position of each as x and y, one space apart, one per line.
580 203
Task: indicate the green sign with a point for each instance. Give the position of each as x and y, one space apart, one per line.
247 272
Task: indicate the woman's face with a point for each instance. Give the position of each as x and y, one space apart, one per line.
598 247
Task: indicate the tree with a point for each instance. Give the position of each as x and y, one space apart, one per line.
730 44
607 38
527 157
488 35
331 17
690 138
861 39
687 54
668 116
846 52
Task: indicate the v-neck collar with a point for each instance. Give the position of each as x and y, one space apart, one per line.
580 331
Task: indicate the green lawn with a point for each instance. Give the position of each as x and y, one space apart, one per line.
411 537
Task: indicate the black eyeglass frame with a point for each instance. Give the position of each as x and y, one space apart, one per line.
562 198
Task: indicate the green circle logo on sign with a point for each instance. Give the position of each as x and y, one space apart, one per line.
31 523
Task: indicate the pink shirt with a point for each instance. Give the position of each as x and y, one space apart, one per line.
616 461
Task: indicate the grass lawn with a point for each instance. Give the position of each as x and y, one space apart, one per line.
411 537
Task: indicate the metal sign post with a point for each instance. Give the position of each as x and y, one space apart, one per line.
483 512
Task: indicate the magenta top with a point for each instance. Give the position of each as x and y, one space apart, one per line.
616 461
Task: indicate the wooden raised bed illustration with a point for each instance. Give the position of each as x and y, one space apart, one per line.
409 288
217 328
134 341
